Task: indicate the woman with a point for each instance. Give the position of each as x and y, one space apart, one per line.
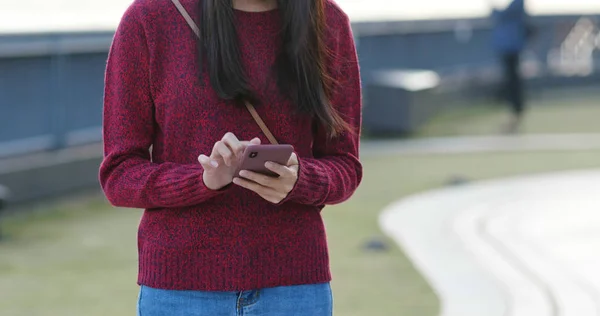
210 244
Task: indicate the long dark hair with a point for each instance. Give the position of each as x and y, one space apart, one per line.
300 69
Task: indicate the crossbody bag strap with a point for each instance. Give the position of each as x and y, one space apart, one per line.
261 123
187 17
249 106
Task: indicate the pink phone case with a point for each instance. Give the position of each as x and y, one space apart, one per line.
255 157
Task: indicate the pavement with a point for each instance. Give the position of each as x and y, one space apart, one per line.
521 246
482 144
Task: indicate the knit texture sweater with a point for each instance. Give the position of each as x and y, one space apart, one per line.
191 237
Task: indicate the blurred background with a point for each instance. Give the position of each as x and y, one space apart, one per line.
440 90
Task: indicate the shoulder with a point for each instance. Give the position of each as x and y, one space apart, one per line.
150 10
336 17
155 17
339 35
140 8
338 23
156 6
335 13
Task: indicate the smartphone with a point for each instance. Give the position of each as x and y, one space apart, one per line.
255 157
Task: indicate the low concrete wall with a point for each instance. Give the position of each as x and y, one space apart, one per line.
51 174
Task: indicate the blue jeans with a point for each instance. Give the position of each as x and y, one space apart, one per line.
300 300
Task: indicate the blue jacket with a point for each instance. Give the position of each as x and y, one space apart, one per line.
510 28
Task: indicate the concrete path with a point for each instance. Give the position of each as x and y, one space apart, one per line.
514 247
479 144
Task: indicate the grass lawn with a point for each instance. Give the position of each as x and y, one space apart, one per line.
555 113
79 258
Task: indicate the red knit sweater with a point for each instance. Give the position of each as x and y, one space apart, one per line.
191 237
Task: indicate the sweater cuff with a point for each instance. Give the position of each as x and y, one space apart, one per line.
309 187
201 192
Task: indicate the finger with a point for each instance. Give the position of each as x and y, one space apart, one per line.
293 160
254 141
222 151
234 144
287 177
206 162
281 170
259 178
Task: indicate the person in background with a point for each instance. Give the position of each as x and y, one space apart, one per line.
510 33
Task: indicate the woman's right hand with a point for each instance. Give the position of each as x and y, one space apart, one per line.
220 167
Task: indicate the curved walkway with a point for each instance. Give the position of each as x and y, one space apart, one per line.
477 144
515 247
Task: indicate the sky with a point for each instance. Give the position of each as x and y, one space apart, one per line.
17 16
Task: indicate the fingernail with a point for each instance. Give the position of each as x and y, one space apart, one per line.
214 163
243 173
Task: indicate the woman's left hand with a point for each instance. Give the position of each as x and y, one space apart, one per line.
272 189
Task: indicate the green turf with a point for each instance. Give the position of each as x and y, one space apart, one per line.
551 114
79 258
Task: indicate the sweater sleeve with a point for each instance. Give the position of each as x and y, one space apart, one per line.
335 172
127 175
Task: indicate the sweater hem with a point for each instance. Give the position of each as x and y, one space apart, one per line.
223 271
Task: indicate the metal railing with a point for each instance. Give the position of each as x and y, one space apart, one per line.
51 85
50 90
